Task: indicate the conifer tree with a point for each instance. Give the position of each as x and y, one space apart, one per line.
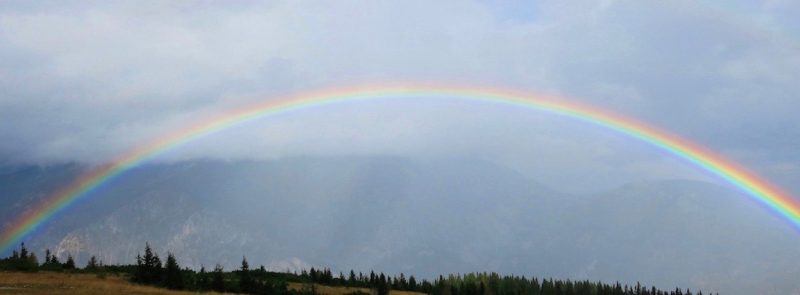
246 283
139 275
383 285
351 281
218 279
202 279
172 275
32 263
148 267
51 261
313 274
92 265
70 264
23 251
25 261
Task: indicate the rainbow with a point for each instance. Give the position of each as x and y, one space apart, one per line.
754 186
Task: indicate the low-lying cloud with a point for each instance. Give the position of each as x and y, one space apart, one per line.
87 82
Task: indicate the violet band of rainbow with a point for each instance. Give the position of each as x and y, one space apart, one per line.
732 173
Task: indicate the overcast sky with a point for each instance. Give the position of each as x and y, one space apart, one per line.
86 81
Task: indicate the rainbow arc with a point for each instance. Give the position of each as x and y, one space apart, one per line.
732 173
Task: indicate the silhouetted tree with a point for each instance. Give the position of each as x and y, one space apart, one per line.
54 260
148 267
383 285
50 263
351 281
70 264
218 279
24 260
203 283
93 264
246 282
172 274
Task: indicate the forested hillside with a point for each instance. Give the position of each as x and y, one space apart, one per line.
151 269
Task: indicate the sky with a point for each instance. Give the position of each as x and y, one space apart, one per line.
85 82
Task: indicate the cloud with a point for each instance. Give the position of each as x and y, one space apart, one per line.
88 82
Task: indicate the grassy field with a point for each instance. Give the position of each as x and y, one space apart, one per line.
328 290
72 283
77 283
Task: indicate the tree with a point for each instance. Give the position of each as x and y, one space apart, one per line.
202 279
23 252
70 264
24 260
351 281
54 260
50 261
32 264
92 265
148 267
383 285
246 282
172 275
218 279
313 274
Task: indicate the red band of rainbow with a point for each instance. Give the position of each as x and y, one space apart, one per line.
758 188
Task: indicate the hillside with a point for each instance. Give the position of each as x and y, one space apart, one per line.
423 217
83 283
73 283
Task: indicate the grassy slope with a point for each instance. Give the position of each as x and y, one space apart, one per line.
76 283
71 283
329 290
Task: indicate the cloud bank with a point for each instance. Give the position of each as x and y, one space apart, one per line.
87 82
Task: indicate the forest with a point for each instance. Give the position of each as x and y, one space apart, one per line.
151 270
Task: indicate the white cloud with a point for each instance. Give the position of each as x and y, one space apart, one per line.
87 83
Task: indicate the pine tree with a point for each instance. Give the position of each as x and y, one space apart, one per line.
246 283
92 265
401 284
32 263
383 285
51 261
172 275
139 275
148 267
351 281
25 261
313 274
23 252
218 279
70 264
202 279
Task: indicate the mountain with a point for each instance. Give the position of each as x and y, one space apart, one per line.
424 217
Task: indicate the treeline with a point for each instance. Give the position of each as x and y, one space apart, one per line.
482 284
381 283
150 270
493 283
24 260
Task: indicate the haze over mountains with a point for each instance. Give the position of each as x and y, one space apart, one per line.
425 217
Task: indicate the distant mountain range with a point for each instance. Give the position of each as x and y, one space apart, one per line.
425 217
